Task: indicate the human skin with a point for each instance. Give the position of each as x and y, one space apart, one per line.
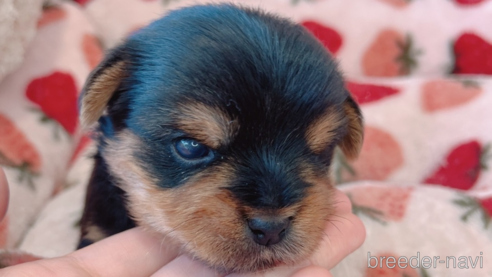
136 253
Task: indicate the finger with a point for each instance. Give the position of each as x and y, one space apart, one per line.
344 233
183 266
341 202
4 194
132 253
312 271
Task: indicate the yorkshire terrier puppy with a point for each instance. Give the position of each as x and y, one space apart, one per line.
216 126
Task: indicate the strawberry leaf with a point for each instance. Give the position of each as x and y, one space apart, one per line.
424 273
167 2
470 83
77 223
407 59
465 201
485 156
486 219
25 173
369 212
57 128
25 176
343 166
465 216
472 205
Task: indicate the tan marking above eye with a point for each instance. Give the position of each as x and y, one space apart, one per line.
322 131
209 125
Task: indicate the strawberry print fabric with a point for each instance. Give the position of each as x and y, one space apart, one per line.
452 145
420 71
371 38
18 27
38 114
406 221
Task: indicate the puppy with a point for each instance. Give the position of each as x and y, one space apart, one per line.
216 127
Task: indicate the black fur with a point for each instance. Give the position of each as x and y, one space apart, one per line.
104 206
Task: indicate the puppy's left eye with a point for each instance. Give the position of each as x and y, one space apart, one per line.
191 149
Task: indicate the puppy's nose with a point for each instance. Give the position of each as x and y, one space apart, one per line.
268 230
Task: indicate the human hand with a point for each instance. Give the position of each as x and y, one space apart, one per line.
137 253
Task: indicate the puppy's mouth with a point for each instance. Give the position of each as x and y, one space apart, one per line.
264 243
212 227
221 237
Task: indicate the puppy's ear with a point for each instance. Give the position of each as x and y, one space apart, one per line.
351 143
100 87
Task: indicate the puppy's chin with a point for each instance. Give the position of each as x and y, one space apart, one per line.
208 222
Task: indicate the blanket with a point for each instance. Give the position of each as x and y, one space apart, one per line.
420 71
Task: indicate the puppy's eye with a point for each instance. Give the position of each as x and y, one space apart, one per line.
191 149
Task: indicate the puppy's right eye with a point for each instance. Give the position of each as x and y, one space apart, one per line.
191 149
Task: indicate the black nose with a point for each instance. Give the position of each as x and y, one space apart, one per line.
268 230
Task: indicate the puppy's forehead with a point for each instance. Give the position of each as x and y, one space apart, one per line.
220 64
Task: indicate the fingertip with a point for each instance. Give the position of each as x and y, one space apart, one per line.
342 203
361 238
134 252
312 271
4 194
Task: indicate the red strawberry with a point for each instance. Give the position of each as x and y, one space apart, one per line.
382 270
330 38
444 94
473 55
17 152
468 2
461 168
4 231
56 94
381 203
390 54
398 3
92 50
51 14
380 156
366 93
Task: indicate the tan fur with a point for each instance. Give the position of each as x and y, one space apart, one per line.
99 92
209 125
322 132
351 144
208 221
94 233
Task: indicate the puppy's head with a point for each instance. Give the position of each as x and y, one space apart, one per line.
220 124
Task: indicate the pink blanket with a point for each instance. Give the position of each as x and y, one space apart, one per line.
421 71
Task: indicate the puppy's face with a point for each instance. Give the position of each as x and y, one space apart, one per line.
220 124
